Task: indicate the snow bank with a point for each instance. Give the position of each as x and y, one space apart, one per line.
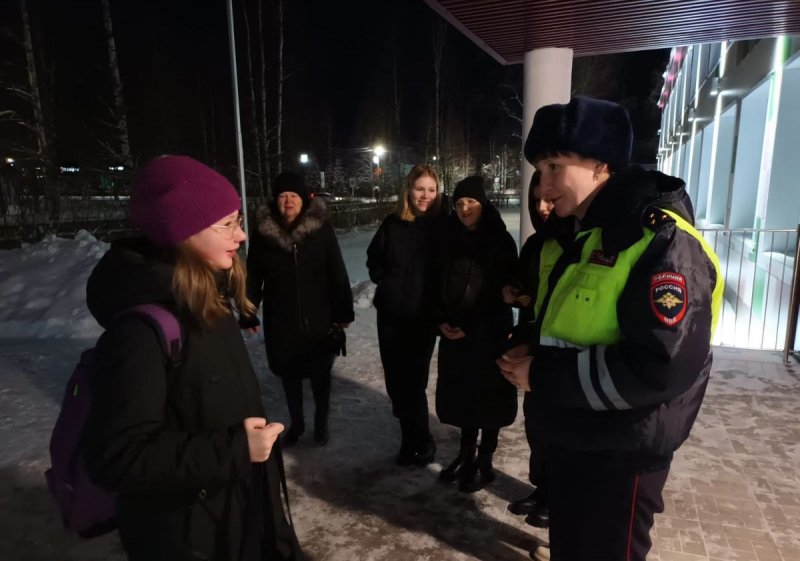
42 288
42 285
363 293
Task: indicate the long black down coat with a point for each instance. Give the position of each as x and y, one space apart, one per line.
297 272
170 439
473 267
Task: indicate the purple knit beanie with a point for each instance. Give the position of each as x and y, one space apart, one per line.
175 197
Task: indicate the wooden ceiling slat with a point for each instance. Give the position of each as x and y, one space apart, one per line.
496 24
689 26
510 28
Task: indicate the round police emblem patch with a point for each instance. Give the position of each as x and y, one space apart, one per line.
668 297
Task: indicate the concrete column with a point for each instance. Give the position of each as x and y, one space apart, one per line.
548 79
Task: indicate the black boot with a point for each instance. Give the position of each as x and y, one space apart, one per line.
293 388
539 517
417 447
321 388
525 505
321 434
475 477
293 434
480 473
425 449
405 457
465 458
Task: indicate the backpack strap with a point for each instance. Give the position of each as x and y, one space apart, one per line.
167 326
282 471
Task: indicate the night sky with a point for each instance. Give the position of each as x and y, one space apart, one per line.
340 60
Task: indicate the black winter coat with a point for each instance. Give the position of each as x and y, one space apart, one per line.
299 274
170 439
400 262
472 269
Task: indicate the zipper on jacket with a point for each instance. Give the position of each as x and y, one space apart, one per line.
301 320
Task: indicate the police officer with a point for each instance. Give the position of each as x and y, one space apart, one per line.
619 355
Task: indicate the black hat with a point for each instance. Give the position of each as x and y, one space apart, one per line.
588 127
291 181
471 187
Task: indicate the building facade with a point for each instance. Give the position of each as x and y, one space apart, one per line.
731 130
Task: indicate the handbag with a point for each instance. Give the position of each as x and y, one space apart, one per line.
336 340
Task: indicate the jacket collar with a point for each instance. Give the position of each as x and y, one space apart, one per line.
620 205
274 230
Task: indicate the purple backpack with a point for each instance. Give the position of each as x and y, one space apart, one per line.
85 508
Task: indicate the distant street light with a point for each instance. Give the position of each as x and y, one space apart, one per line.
303 158
376 159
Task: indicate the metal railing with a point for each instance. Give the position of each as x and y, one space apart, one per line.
760 271
107 218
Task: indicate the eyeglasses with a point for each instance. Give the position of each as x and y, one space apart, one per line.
229 229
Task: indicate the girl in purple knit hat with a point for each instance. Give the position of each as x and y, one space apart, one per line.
185 443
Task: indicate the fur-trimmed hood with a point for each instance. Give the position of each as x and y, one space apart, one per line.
274 230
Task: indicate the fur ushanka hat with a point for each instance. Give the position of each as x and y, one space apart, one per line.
588 127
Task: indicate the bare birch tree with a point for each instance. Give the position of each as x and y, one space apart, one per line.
254 132
280 86
118 112
265 135
439 34
39 126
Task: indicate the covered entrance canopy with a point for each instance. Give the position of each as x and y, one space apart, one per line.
546 34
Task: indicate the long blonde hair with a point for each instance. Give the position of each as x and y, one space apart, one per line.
196 287
405 210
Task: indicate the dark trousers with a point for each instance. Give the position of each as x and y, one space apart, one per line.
600 511
406 348
537 464
320 388
489 439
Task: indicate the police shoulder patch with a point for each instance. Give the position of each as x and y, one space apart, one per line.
668 298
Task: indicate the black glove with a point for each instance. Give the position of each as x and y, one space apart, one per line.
337 340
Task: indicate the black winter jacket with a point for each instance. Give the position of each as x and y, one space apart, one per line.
170 439
472 268
660 372
298 274
399 259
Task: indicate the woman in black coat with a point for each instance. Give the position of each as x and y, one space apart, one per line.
295 267
476 259
185 444
400 262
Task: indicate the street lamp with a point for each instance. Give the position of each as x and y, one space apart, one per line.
303 158
379 151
